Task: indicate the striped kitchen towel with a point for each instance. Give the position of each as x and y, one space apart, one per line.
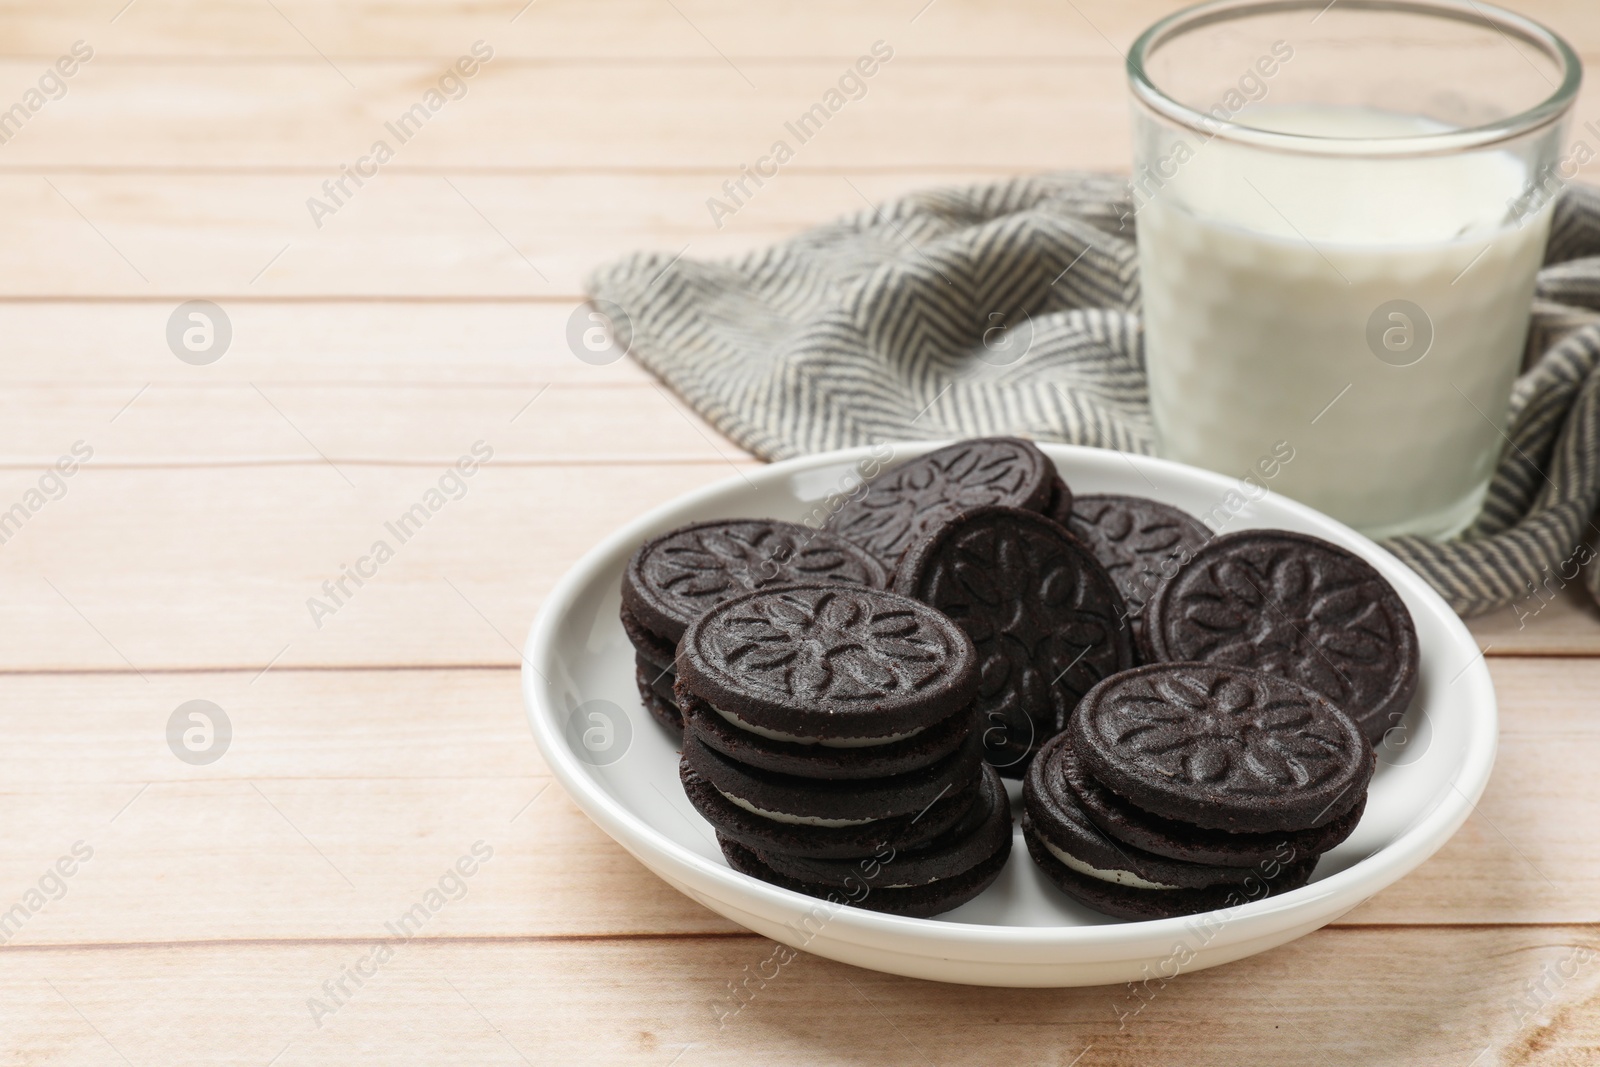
875 327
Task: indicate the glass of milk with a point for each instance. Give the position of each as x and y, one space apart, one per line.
1340 208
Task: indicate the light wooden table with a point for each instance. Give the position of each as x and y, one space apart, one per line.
371 753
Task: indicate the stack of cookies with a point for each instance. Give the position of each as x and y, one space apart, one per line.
1186 787
829 738
672 579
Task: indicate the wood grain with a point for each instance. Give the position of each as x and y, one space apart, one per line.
431 311
1430 997
597 31
344 791
138 567
143 569
166 238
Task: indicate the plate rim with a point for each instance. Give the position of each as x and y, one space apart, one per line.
933 937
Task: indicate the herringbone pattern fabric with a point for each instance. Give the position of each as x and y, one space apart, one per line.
881 327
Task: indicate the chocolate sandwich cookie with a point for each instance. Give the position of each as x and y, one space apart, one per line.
1074 839
981 831
823 842
1141 543
839 802
836 759
655 693
829 663
653 673
673 579
902 504
648 647
1224 748
1135 829
658 679
1044 616
942 874
1297 607
922 901
1127 901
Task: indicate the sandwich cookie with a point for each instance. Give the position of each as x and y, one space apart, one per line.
1297 607
1045 617
837 802
851 841
1119 892
1222 748
944 873
673 579
1141 543
1188 787
828 663
1075 840
1134 829
829 727
655 692
838 758
901 505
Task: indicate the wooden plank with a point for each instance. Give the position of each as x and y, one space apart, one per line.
508 344
424 423
914 112
247 239
234 239
172 238
591 31
659 1002
660 116
1507 862
996 116
1542 624
343 791
214 566
339 796
617 29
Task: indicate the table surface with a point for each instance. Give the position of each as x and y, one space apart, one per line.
229 912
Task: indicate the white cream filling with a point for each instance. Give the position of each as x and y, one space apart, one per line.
1127 878
794 820
793 739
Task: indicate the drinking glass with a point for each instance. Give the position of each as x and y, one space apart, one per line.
1340 209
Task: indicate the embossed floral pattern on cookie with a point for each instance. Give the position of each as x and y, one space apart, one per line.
909 500
680 575
1296 607
1042 613
1222 746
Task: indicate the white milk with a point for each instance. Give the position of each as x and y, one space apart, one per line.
1257 303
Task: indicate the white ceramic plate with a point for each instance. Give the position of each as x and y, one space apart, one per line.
622 768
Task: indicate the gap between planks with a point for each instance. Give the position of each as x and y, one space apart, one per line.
705 935
669 460
379 668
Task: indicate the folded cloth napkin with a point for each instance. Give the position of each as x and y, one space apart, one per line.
880 327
